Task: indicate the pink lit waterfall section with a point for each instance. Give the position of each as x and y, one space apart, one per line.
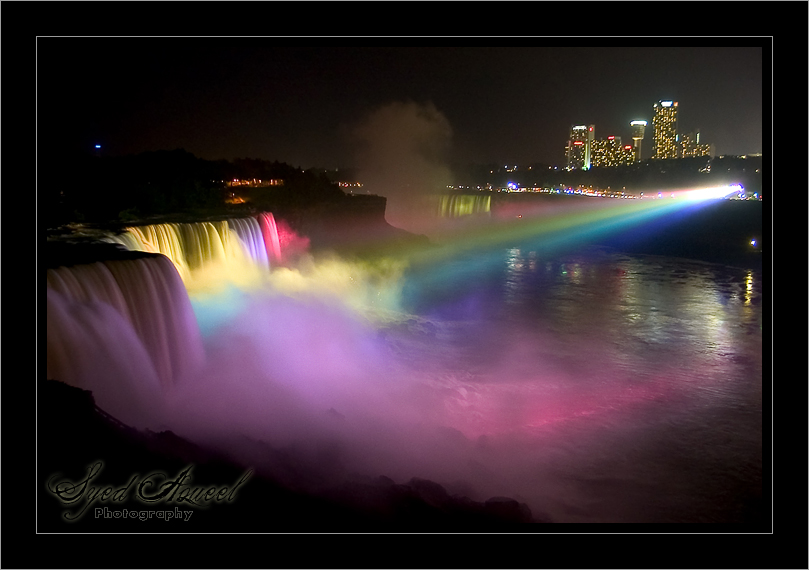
125 330
269 230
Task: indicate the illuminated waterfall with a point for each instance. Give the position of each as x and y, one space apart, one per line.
455 206
252 238
269 230
160 238
123 329
201 245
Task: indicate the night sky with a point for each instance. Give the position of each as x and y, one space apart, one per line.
277 99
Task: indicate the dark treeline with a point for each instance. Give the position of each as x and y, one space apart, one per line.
100 189
649 175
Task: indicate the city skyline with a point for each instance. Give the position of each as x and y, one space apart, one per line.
222 98
584 149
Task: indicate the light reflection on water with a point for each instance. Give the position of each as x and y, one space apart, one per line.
634 382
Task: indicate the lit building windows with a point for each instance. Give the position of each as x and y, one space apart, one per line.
665 129
638 132
583 151
579 147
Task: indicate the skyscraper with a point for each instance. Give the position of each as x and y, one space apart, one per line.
580 147
665 129
638 131
575 147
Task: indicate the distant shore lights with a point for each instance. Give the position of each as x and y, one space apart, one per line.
714 193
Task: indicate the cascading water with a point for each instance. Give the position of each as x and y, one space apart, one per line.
165 239
455 206
252 238
199 245
269 230
125 328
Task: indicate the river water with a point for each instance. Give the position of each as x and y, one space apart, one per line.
596 386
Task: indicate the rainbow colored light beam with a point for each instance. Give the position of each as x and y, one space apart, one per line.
586 219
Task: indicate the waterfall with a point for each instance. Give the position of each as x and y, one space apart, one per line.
454 206
269 230
249 232
201 245
123 329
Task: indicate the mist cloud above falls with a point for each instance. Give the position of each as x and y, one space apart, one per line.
402 154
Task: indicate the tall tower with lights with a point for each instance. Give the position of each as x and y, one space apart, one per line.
638 131
580 147
576 146
665 129
588 157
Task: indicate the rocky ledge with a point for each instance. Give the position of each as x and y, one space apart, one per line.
99 475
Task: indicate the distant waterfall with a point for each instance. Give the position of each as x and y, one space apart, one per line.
456 205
